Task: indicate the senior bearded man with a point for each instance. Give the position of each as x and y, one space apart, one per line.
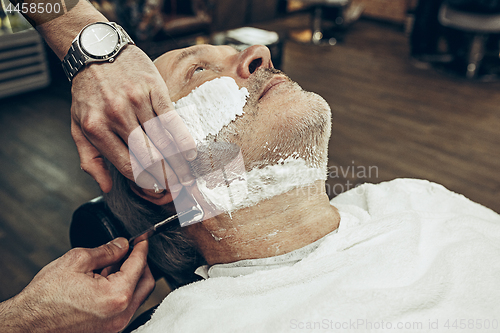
394 255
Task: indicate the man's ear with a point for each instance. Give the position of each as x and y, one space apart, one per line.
159 199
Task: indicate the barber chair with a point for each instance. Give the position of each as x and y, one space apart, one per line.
330 18
481 21
331 7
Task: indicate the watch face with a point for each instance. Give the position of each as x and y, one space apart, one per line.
99 39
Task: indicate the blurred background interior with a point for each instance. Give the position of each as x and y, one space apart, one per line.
412 85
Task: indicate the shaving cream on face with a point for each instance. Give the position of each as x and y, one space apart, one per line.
211 106
205 111
261 184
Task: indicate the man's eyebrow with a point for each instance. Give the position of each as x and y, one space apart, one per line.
189 53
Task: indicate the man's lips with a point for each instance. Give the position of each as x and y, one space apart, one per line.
271 84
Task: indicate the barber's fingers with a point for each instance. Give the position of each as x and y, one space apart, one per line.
164 141
143 289
163 135
169 135
91 161
88 260
133 268
107 142
102 139
110 270
153 141
172 122
147 160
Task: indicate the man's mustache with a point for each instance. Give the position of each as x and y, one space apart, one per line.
259 79
273 71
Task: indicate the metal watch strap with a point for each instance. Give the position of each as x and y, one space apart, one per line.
126 38
73 61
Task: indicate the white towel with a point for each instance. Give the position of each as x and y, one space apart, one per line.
409 256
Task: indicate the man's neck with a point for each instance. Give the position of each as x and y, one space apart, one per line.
276 226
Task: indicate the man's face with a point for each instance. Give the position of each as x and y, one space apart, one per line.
280 119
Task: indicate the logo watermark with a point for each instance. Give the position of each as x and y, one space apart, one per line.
448 324
342 178
12 12
357 324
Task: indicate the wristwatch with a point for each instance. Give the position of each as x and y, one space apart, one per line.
100 41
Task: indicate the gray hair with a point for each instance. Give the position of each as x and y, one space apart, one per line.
172 251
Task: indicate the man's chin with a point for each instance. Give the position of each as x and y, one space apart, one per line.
287 122
297 124
298 110
305 129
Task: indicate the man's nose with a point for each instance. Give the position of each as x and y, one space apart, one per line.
253 58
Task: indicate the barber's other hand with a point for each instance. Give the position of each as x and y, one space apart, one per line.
67 296
110 101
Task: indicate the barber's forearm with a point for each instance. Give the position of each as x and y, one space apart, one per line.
60 30
13 319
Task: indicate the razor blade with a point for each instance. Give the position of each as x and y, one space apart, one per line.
193 215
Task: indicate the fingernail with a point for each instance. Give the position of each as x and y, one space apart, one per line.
119 242
187 181
176 188
191 154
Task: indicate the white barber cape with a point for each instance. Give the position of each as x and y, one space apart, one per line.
409 256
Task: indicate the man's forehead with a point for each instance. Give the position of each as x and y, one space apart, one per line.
168 61
191 51
175 56
178 55
167 58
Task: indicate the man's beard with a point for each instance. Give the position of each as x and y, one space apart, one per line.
301 129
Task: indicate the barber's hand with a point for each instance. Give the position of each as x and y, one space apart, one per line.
66 296
110 101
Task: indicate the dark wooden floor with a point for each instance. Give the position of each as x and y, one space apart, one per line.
390 119
41 184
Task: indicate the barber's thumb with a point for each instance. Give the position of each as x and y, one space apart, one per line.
120 242
109 254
